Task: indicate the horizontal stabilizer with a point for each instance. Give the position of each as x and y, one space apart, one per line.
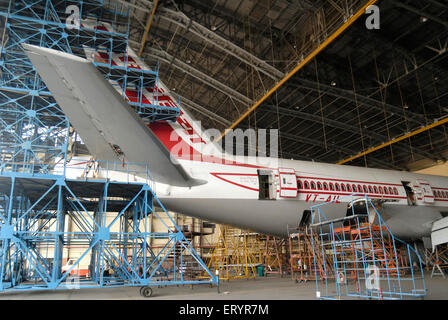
103 119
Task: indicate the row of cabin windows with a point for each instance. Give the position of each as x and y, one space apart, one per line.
441 194
346 187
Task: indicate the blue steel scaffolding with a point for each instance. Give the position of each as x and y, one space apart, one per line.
33 130
364 259
43 214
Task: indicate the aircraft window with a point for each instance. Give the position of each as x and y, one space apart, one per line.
319 186
331 186
325 186
370 189
359 188
349 188
391 191
313 185
299 184
386 191
354 188
306 184
395 191
381 190
365 189
375 189
337 187
342 186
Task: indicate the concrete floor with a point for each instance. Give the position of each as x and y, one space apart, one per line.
270 288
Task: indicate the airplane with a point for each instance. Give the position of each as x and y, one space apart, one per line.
193 176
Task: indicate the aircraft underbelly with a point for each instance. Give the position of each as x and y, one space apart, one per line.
265 216
274 217
410 222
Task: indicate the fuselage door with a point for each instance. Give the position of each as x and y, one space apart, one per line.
288 183
267 187
428 194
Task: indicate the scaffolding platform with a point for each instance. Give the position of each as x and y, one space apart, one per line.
62 233
304 265
364 259
236 255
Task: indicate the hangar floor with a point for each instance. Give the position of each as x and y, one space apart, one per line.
270 288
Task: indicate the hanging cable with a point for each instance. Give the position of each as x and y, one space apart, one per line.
276 92
252 78
404 110
321 106
423 105
440 107
383 102
357 108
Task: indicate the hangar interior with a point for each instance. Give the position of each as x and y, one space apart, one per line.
338 90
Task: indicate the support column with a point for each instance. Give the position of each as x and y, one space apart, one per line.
59 236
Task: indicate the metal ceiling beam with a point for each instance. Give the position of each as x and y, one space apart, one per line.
361 99
206 79
342 126
302 63
193 105
319 143
228 15
180 19
421 13
395 140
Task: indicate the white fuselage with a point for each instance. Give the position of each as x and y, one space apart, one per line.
232 195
